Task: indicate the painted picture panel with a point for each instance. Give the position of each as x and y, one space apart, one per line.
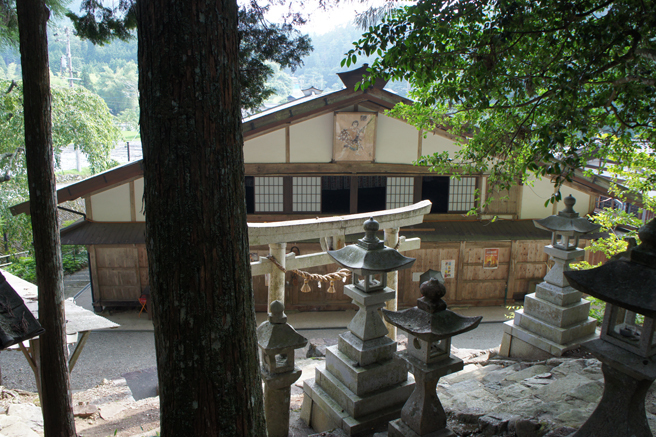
449 268
355 135
491 260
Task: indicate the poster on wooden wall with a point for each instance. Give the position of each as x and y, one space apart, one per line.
355 136
491 259
448 268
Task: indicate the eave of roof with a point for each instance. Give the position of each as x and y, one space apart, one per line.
85 232
106 179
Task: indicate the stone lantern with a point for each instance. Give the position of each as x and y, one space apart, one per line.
429 274
430 327
277 341
626 346
554 318
363 384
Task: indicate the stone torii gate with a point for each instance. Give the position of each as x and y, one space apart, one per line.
277 234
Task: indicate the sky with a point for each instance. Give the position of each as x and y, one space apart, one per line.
322 21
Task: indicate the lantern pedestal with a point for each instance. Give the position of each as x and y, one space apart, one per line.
627 378
363 384
423 414
554 318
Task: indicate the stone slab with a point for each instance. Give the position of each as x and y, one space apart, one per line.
537 342
556 315
366 352
360 406
398 428
557 295
369 299
556 334
362 380
326 414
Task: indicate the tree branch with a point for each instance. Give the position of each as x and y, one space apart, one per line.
646 53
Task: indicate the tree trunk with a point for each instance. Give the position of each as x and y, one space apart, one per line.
196 232
55 384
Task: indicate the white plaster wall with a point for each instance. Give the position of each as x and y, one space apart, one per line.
112 205
267 148
436 144
534 197
582 205
138 199
396 141
312 140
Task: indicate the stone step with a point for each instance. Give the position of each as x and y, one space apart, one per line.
322 413
365 379
556 315
359 406
558 335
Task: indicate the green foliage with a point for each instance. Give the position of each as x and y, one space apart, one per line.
260 41
78 117
597 309
74 258
531 84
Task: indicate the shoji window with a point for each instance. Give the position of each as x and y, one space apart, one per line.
306 194
269 194
462 194
400 192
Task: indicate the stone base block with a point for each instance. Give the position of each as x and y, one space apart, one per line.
323 413
360 406
398 428
532 346
366 352
365 379
556 315
558 335
557 295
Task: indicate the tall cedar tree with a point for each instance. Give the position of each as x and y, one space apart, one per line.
196 232
259 42
55 384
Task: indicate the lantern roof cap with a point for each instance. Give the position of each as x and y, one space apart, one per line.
276 334
567 220
430 320
370 255
629 281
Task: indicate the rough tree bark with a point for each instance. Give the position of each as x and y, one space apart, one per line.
56 399
196 232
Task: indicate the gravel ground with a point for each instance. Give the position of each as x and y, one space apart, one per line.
106 355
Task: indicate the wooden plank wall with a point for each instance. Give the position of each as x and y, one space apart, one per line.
121 273
520 263
504 201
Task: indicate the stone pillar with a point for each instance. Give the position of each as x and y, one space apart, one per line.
277 276
621 410
277 341
554 318
363 384
423 414
391 240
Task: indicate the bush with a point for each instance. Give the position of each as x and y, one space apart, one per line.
74 258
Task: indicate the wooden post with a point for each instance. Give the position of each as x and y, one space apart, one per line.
391 240
339 241
277 278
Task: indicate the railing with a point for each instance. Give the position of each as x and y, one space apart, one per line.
15 255
335 229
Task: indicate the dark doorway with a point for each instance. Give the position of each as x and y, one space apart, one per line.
436 189
371 193
335 194
250 195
